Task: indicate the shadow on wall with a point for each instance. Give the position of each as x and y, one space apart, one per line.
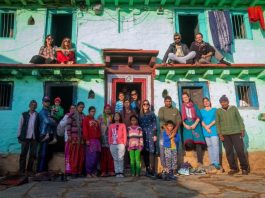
4 59
83 57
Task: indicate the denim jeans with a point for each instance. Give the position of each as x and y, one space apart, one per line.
117 152
213 149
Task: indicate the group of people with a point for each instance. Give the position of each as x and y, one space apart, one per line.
50 54
115 140
200 52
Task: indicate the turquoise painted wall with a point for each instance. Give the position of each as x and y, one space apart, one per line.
29 88
138 28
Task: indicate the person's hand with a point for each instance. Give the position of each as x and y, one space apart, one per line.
187 127
193 126
242 133
208 130
221 137
155 138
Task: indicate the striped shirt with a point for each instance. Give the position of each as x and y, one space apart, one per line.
135 138
119 106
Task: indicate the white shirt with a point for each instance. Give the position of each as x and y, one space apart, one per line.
31 127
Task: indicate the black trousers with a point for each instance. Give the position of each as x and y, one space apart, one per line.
29 145
149 161
232 142
37 59
199 153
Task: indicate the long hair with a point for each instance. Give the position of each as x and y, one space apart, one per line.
142 110
205 98
70 43
45 43
120 120
185 93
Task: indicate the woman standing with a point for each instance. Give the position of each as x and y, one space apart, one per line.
65 54
91 134
147 121
192 131
46 54
210 132
75 139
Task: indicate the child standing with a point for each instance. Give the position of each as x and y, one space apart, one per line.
171 139
135 145
117 140
119 103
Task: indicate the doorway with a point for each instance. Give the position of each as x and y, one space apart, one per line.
61 27
188 27
67 92
126 88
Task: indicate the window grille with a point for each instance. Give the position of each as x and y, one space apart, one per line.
246 94
239 28
7 21
6 91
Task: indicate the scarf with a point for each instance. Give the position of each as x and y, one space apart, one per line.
188 107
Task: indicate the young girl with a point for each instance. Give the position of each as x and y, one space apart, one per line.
117 140
119 103
170 141
135 145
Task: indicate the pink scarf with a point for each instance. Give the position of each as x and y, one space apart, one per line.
191 107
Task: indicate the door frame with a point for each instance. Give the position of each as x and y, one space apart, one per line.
113 79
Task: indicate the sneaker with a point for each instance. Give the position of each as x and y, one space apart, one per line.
222 61
103 174
184 171
118 175
54 141
244 172
111 174
232 172
121 175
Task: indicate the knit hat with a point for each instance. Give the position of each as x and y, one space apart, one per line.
223 98
58 99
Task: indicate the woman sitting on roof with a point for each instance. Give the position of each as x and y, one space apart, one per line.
65 54
46 54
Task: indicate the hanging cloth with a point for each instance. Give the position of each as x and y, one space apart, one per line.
221 29
256 14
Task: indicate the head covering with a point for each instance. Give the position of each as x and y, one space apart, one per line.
223 98
46 99
58 99
107 105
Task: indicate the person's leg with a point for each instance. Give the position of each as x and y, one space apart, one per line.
146 160
42 157
174 163
167 159
218 54
210 148
205 60
121 151
23 156
90 161
138 162
114 153
110 162
175 58
67 158
32 155
189 56
199 153
229 150
215 151
37 59
152 163
239 147
132 161
49 61
104 160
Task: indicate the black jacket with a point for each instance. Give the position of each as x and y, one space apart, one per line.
24 128
172 49
202 49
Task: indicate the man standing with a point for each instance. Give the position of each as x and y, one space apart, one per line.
231 129
178 52
45 127
27 135
205 52
166 113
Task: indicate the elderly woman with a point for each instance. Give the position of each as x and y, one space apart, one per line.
46 54
65 54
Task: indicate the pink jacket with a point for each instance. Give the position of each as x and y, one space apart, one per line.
117 134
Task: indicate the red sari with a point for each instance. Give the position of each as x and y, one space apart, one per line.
64 56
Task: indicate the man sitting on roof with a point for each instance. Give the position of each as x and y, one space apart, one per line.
205 52
178 52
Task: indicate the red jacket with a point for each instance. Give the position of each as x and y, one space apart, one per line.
117 134
63 58
91 128
256 14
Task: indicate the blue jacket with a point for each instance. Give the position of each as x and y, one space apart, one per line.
45 122
166 138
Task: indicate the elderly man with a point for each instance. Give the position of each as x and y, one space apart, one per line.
178 52
231 129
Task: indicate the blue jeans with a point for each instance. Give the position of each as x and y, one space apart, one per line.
213 149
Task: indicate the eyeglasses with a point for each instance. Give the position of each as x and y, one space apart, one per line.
177 38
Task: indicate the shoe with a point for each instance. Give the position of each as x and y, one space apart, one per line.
103 174
89 176
232 172
222 61
54 141
44 138
118 175
244 172
184 171
121 176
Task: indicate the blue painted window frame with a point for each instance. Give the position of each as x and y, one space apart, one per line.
201 84
201 20
50 12
15 23
252 92
247 25
11 95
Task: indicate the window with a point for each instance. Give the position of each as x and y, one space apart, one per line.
6 92
246 94
7 24
239 26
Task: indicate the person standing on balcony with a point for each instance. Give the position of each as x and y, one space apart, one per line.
65 54
179 52
27 135
231 130
47 53
205 52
